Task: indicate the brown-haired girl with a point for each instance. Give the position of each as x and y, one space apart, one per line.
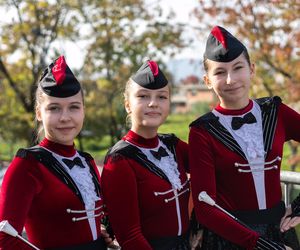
235 155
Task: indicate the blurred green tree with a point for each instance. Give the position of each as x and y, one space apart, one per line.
119 37
27 37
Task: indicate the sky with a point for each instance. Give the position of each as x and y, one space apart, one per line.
183 9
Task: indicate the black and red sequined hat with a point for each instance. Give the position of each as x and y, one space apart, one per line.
222 46
150 76
58 80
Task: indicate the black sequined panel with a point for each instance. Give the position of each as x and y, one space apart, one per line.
171 243
212 241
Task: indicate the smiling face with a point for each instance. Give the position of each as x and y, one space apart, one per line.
230 81
62 118
147 108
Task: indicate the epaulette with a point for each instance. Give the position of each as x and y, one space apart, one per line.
123 149
204 119
85 155
268 103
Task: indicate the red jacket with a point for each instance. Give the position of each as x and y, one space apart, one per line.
213 170
33 196
141 204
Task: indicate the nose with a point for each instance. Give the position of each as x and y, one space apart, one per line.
152 103
65 116
229 79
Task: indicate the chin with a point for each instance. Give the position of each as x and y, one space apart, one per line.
151 125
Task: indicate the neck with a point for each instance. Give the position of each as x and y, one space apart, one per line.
147 133
235 105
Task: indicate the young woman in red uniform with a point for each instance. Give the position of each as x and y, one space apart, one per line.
235 154
145 186
52 189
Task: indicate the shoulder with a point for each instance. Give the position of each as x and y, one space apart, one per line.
85 155
23 165
32 152
120 150
169 139
268 101
204 119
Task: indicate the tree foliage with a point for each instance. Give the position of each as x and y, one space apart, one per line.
119 37
27 38
270 30
117 34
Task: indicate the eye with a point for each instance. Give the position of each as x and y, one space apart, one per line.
75 107
238 67
219 72
141 96
163 97
53 108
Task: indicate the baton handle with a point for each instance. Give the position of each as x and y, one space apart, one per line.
26 241
203 196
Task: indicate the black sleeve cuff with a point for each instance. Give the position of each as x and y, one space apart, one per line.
264 244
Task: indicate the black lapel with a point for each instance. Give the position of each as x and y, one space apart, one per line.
123 148
269 110
49 161
215 128
170 140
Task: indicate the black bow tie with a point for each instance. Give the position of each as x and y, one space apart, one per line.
160 153
71 163
238 122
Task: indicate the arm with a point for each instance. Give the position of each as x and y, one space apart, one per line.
17 192
203 179
120 196
291 120
182 149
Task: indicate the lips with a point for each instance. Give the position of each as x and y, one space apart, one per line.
233 89
153 113
65 129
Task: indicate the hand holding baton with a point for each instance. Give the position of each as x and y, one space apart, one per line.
8 229
262 243
203 196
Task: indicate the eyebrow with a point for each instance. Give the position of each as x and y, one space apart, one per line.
149 91
57 103
238 62
163 91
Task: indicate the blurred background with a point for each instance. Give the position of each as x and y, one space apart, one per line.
105 41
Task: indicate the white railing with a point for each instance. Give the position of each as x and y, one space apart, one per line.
288 178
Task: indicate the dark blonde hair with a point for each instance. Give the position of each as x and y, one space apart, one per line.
126 99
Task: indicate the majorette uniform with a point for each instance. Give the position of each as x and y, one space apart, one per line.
147 198
60 207
240 169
